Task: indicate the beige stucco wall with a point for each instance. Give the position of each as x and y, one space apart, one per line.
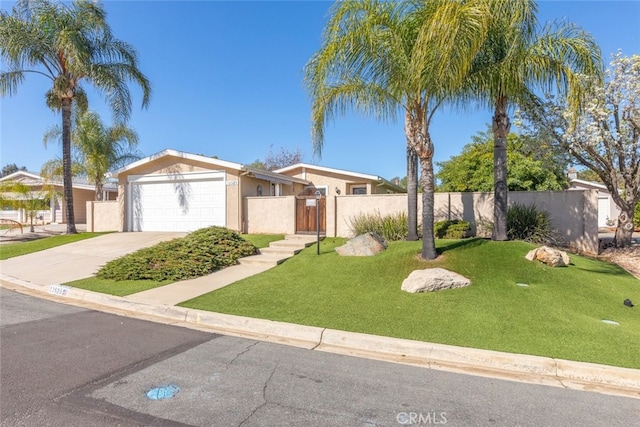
104 216
80 199
573 213
270 215
348 207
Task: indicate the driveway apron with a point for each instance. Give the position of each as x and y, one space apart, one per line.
78 260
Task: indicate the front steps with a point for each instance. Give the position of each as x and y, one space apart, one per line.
279 251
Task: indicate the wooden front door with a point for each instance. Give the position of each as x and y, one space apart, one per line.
308 210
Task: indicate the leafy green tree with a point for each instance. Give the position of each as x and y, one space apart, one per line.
98 148
531 167
517 58
589 175
383 58
68 43
10 168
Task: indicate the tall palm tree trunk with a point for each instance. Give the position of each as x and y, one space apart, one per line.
501 127
428 205
412 193
98 190
418 139
66 165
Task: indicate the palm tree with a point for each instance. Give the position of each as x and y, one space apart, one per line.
381 58
98 149
69 44
517 59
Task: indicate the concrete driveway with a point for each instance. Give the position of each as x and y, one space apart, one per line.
78 260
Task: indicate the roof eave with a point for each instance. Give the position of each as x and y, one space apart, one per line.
179 154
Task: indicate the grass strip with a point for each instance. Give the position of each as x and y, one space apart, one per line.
11 250
118 288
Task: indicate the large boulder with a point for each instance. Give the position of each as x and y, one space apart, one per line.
550 256
433 279
363 245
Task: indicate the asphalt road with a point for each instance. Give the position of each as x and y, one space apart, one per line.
67 366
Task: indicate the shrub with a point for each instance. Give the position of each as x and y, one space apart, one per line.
452 229
530 224
197 254
636 216
390 227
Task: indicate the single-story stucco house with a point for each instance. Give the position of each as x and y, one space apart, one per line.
178 191
332 181
53 191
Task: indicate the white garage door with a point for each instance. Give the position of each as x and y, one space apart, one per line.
183 202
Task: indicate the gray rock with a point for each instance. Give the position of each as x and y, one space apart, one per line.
433 279
364 245
550 256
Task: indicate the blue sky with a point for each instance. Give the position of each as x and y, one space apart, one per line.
227 82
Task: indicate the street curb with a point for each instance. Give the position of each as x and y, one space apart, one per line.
514 367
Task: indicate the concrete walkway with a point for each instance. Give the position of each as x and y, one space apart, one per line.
175 293
185 290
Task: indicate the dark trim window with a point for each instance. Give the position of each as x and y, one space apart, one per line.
359 190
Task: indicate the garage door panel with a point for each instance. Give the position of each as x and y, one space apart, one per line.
178 206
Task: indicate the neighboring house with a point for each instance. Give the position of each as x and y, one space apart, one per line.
178 191
607 210
53 190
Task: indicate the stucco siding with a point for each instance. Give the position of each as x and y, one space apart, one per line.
104 216
266 215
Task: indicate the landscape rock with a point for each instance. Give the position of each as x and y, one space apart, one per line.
363 245
550 256
433 279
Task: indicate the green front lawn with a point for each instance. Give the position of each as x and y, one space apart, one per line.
11 250
262 240
559 315
118 288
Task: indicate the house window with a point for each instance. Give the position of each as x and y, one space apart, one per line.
311 189
359 190
259 190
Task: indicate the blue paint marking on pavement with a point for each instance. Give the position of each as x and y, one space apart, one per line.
163 392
